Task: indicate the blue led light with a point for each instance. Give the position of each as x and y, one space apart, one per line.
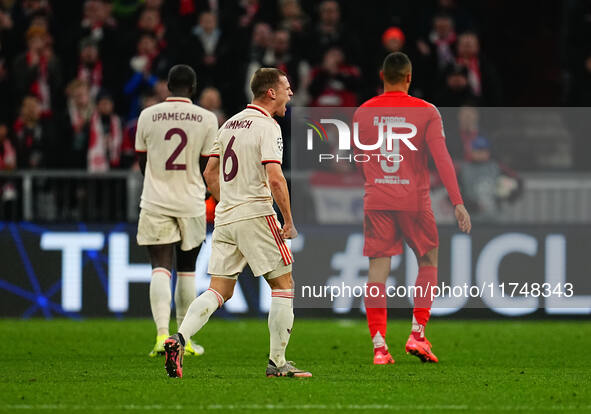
42 301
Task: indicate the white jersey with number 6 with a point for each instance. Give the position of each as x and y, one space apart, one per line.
245 143
175 133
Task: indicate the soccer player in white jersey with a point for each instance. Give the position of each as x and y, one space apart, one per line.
249 148
173 140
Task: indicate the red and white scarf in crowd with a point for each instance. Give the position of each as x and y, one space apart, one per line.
159 32
445 54
104 148
474 76
78 117
40 87
7 155
26 137
93 76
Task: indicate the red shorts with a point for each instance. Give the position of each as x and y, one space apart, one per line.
385 230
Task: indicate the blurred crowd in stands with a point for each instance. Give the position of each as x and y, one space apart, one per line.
74 75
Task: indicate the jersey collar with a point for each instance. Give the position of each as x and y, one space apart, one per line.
395 93
178 99
259 108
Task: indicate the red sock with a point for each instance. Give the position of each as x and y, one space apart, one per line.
377 313
426 279
381 349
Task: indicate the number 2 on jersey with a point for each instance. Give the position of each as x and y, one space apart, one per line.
170 162
229 154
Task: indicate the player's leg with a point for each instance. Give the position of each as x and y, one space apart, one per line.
381 242
280 316
376 308
423 300
421 234
269 255
159 233
225 263
417 343
160 292
185 291
281 323
220 290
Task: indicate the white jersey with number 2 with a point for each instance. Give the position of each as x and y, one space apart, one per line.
175 133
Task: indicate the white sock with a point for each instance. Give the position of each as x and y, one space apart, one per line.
379 341
184 294
416 327
280 324
200 311
160 296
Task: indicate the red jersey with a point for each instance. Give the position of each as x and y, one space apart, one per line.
396 173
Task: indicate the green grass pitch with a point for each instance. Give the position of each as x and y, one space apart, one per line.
485 366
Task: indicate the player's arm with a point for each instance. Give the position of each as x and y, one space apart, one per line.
210 146
203 164
141 146
211 151
142 160
212 176
446 170
280 193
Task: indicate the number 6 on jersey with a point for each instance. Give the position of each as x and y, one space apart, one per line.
230 154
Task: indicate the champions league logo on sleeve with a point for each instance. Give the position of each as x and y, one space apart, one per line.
389 132
279 146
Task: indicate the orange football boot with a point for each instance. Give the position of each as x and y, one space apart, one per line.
420 349
382 359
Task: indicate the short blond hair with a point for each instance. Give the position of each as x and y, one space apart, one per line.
263 79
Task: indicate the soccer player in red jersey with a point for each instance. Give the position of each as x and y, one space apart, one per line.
397 203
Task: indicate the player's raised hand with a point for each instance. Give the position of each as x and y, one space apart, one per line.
289 231
463 218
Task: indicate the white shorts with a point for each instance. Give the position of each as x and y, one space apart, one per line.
254 241
154 228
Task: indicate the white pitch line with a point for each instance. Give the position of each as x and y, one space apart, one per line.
360 407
